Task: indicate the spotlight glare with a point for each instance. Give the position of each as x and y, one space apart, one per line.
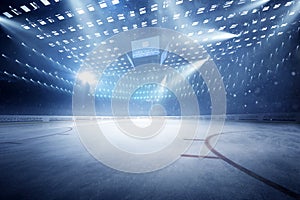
193 67
255 4
215 36
87 77
223 36
9 24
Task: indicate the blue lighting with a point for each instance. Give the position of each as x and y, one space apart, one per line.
254 44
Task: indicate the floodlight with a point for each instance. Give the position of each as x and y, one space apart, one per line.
87 77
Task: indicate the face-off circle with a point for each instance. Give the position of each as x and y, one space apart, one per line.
150 147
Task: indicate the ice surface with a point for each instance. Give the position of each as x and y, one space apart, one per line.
48 161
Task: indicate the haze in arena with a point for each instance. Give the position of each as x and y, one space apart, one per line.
170 99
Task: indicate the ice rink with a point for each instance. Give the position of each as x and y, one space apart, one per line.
46 160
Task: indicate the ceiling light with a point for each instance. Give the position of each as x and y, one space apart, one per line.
8 15
25 8
34 5
80 11
114 2
59 17
154 7
103 4
91 8
45 2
